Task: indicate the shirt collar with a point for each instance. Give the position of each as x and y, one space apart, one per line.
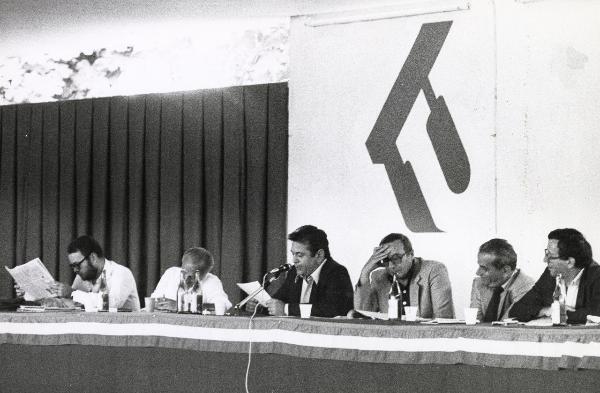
577 278
315 274
107 267
510 279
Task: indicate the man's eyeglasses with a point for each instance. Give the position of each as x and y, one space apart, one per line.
77 265
548 256
397 259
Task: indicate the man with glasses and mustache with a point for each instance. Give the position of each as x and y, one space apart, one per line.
87 260
569 256
422 283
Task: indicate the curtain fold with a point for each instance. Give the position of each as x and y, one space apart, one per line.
148 176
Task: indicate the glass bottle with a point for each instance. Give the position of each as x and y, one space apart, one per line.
181 293
559 308
199 295
103 291
394 301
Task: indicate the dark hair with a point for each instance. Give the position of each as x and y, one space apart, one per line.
313 237
199 254
504 253
85 245
572 244
392 237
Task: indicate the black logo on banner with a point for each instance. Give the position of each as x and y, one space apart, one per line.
381 144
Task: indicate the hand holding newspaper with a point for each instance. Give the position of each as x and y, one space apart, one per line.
33 278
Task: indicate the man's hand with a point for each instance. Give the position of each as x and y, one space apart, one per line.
545 312
164 304
276 307
19 292
379 253
251 305
58 289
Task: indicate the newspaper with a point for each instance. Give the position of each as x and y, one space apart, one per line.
249 287
33 278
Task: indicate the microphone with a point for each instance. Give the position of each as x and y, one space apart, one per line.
283 268
274 274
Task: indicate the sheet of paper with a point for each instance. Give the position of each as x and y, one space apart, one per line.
545 321
250 287
84 297
593 320
443 321
33 278
374 315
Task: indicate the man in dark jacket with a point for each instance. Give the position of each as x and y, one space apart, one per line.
315 278
569 259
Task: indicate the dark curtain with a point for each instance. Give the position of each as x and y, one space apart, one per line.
148 176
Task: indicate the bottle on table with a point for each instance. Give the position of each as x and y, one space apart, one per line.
103 291
199 297
559 307
181 293
394 301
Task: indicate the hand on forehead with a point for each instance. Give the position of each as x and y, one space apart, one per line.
395 247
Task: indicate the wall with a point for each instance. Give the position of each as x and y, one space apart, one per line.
520 81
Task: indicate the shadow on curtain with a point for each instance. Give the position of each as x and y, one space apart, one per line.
148 176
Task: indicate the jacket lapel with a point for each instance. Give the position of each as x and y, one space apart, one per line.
323 276
512 281
583 283
415 284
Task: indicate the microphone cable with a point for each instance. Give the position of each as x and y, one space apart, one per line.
250 338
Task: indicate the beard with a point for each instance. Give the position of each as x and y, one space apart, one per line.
90 274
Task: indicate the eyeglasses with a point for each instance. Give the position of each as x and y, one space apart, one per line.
77 265
548 256
397 259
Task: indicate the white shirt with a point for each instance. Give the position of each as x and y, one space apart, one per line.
572 291
122 290
212 288
307 289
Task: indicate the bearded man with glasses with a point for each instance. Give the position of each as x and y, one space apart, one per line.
569 259
422 283
87 260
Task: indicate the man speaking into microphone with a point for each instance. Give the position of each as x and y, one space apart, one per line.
315 278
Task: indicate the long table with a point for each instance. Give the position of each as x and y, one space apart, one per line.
170 352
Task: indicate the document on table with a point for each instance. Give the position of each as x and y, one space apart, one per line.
544 321
250 287
33 278
374 315
444 321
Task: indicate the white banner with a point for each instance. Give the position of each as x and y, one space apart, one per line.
392 130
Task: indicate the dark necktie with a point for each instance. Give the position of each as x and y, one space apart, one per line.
491 314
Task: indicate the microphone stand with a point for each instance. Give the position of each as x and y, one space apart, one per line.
237 307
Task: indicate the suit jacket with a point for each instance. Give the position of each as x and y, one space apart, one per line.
430 290
516 287
332 296
540 296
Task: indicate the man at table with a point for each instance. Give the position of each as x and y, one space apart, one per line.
569 259
422 283
500 283
195 259
315 278
87 260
